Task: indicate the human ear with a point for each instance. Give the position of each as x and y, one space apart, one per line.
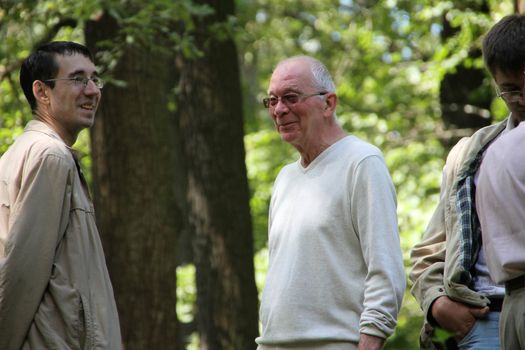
330 103
40 92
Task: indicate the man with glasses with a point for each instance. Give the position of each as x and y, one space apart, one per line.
335 278
55 291
450 277
500 202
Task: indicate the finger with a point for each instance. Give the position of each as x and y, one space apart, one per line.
479 312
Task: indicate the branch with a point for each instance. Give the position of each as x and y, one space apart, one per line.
53 31
65 22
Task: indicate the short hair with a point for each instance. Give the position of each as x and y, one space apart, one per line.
504 45
41 65
322 79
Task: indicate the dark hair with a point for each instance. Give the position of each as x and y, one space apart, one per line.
41 64
504 45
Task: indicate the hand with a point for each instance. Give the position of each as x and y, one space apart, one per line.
455 317
370 342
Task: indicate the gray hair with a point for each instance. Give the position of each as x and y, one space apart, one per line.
322 79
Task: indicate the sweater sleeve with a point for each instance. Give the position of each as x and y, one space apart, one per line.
36 219
373 200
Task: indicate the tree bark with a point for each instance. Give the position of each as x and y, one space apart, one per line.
138 188
464 98
212 120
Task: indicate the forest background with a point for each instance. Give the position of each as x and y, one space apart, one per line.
183 155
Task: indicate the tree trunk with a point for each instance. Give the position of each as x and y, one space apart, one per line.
212 120
465 94
138 181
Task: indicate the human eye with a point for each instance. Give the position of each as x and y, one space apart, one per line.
290 98
511 94
78 80
272 101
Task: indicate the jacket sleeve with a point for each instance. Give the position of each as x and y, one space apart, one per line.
428 256
374 199
38 219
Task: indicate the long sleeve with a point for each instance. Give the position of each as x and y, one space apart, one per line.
37 218
428 256
373 203
336 268
428 262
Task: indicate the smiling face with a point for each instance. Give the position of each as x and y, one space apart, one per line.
69 107
298 124
508 81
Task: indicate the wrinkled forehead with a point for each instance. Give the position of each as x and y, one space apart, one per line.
290 76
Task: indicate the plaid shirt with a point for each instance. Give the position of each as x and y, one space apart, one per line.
470 228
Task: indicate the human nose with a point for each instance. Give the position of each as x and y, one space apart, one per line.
280 107
91 88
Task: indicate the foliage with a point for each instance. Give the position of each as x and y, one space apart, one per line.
186 292
387 58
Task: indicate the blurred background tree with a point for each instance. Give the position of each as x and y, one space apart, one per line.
166 152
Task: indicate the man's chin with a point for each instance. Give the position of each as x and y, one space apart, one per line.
288 137
87 122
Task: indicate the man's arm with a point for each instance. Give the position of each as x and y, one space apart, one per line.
373 200
370 342
38 217
457 318
427 277
428 256
428 263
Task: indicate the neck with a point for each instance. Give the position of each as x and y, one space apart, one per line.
310 152
66 136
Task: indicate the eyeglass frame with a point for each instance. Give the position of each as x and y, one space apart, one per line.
516 95
83 81
284 98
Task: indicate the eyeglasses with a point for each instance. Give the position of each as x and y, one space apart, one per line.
288 99
82 81
511 96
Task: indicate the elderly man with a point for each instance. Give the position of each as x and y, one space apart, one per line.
335 278
55 291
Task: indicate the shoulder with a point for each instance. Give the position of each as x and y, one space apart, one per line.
35 147
469 147
458 150
503 150
363 162
357 149
287 171
44 145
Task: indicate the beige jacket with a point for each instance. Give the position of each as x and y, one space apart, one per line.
55 291
437 260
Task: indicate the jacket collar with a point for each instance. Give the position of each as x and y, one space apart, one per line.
39 126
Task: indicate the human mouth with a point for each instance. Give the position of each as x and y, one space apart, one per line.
88 106
285 124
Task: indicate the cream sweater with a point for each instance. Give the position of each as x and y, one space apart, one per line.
335 268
